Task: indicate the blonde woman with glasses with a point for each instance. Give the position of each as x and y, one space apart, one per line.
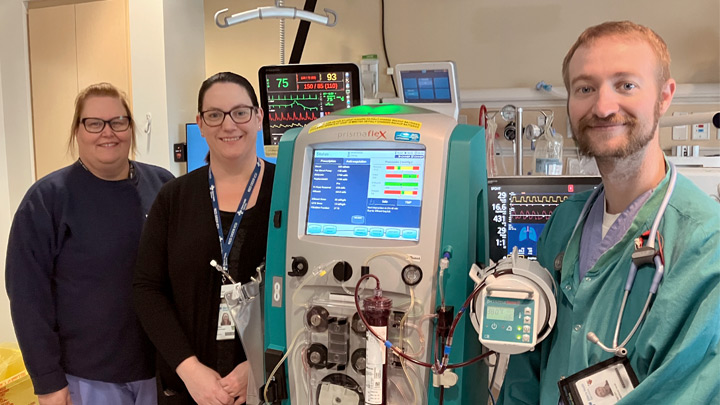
70 260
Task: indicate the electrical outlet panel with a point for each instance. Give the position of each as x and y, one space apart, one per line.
701 132
680 132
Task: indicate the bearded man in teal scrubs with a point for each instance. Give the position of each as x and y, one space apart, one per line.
619 85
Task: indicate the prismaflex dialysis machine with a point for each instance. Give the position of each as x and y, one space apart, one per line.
391 193
395 194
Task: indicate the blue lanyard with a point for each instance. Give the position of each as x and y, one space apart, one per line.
226 245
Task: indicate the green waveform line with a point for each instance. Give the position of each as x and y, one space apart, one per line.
295 102
291 98
286 126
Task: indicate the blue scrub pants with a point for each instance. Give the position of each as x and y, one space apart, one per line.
90 392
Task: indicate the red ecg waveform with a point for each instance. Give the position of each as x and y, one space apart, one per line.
304 116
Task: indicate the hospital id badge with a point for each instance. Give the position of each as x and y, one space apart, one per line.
226 324
604 383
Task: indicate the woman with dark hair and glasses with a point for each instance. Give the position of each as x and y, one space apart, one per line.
218 212
70 260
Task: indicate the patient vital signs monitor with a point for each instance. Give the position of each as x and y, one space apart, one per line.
294 95
520 206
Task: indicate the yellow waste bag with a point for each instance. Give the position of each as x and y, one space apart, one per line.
15 385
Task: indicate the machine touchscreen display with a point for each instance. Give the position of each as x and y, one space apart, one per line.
426 86
369 194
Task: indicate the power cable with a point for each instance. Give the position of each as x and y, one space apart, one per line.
382 25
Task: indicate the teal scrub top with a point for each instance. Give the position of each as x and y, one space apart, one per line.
675 350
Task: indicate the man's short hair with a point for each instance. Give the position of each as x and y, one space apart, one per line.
622 28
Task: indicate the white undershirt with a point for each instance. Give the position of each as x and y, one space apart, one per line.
608 219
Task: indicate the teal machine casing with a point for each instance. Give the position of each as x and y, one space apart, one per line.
462 234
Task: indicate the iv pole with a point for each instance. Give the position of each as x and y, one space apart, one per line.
279 12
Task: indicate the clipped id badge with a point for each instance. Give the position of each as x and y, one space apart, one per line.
226 323
604 383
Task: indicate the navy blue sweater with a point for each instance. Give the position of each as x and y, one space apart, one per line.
71 252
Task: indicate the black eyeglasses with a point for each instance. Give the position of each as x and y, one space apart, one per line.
239 115
96 125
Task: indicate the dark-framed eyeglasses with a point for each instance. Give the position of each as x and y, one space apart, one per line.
239 115
96 125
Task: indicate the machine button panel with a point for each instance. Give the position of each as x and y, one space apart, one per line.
508 320
409 234
360 231
392 233
377 233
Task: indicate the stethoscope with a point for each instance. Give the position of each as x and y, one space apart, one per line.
643 255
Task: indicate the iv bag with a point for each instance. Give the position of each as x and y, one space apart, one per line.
245 303
548 152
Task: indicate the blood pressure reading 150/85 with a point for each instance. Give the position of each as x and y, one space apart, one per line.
500 313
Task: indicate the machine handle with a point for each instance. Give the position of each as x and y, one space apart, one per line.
491 289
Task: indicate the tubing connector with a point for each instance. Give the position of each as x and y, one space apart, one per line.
446 379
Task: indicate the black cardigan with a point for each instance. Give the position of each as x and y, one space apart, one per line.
176 292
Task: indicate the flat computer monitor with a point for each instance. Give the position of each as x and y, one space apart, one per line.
294 95
366 193
519 207
197 148
432 85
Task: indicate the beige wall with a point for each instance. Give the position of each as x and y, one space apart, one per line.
71 47
495 43
168 65
16 155
7 334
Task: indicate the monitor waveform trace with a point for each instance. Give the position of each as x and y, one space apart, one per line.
530 215
292 125
537 198
294 117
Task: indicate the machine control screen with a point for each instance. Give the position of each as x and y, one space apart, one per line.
500 313
509 320
520 206
426 86
370 194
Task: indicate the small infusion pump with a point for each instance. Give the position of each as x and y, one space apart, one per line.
516 310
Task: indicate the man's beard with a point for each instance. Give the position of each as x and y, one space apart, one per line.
637 137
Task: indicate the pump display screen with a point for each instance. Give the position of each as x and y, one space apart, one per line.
370 193
520 206
500 313
426 86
